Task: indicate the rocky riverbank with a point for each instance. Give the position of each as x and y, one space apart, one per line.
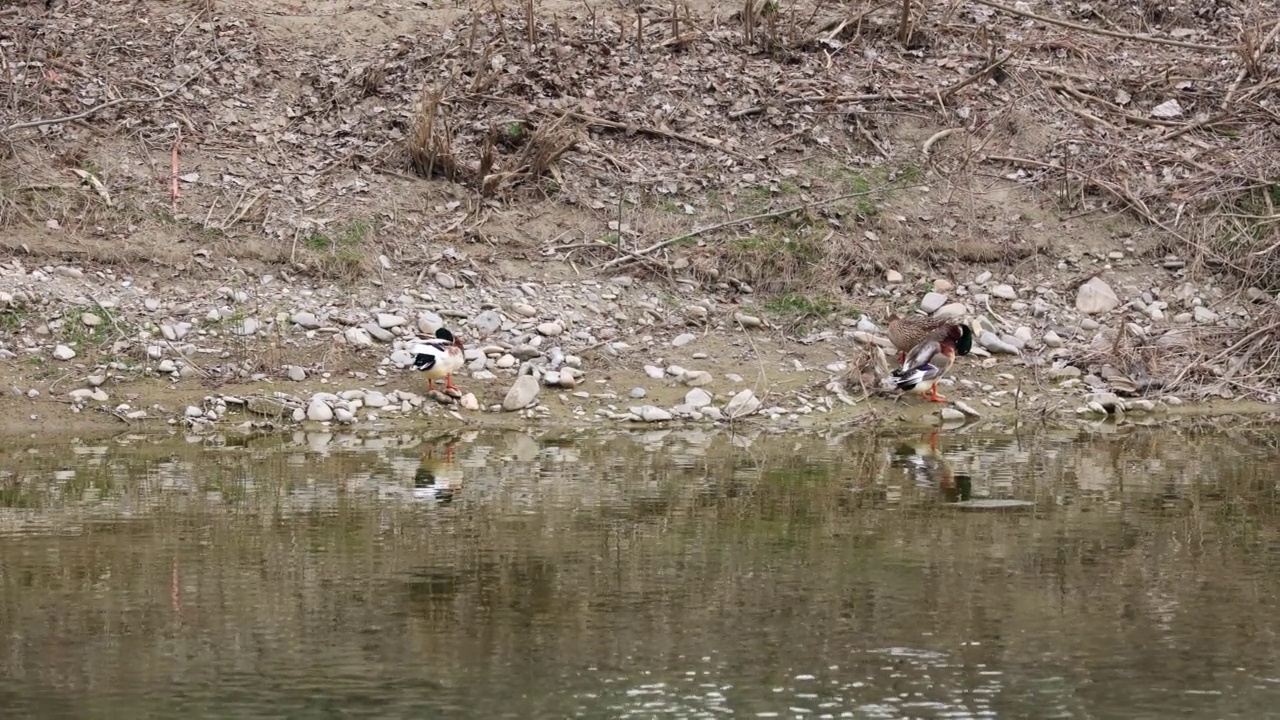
274 350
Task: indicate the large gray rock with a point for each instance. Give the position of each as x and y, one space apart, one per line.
742 405
932 301
521 393
1095 297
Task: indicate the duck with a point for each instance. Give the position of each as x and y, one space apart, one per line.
931 359
908 331
436 478
439 357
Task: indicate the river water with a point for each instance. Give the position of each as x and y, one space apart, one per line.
662 574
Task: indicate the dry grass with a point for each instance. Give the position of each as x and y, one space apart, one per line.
512 152
1196 361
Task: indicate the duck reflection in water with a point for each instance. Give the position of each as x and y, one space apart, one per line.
437 477
929 468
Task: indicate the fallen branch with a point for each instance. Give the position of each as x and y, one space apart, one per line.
113 103
870 97
976 76
743 220
174 193
594 120
936 137
1108 33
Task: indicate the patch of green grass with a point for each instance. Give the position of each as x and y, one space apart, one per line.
342 250
12 318
344 237
75 333
909 173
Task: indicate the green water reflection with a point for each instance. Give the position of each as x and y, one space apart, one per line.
649 574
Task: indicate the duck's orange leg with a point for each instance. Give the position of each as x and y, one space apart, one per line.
933 395
448 383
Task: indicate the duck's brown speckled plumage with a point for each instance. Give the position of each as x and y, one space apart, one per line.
906 332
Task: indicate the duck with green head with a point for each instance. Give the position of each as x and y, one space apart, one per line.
931 359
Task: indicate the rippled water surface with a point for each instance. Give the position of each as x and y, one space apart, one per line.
681 574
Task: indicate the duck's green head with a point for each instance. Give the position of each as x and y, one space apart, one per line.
962 338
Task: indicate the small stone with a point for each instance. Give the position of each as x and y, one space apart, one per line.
949 414
386 321
469 402
683 339
1066 372
487 322
942 285
319 410
654 372
651 413
982 278
742 404
358 337
893 277
525 310
62 352
296 373
305 320
90 320
995 344
248 326
506 361
429 323
95 380
1089 324
445 280
193 412
951 311
521 393
166 366
378 333
1203 314
637 393
1096 297
1052 340
1005 292
550 329
375 399
151 304
697 398
932 302
343 415
696 378
749 322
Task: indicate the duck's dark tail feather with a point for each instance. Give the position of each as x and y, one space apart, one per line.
908 379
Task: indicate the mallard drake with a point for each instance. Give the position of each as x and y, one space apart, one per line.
439 357
906 332
930 360
436 478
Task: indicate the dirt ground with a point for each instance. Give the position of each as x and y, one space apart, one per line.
783 162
